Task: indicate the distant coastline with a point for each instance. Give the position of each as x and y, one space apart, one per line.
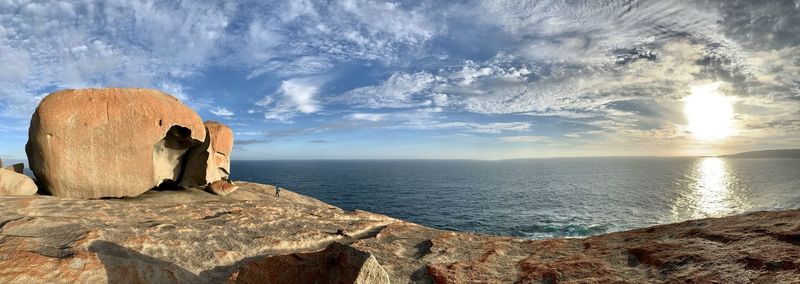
779 153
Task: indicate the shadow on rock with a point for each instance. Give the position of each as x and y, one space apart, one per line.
124 265
337 263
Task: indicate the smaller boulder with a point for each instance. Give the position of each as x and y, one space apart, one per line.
12 183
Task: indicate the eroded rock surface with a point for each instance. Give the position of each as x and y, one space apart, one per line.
337 263
222 145
209 164
93 143
191 236
181 236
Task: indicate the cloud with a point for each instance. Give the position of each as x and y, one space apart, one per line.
293 97
319 141
51 45
524 139
251 142
615 71
375 117
324 33
221 111
400 90
485 128
175 90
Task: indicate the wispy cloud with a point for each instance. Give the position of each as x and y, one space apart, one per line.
614 72
375 117
251 142
293 97
401 90
493 128
221 111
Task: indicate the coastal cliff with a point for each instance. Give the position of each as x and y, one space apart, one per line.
192 236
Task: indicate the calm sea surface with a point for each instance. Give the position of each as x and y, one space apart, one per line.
541 198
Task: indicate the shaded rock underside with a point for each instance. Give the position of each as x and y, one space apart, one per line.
191 236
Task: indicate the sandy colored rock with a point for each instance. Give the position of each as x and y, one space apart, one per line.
13 183
210 161
337 263
93 143
222 143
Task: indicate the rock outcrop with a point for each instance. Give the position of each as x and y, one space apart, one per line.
191 236
337 263
222 145
93 143
209 163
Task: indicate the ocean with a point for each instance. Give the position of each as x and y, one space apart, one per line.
540 198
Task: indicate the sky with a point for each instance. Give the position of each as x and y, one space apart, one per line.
358 79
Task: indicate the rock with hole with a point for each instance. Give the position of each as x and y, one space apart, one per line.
93 143
209 164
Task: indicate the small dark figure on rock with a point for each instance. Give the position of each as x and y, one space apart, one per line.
277 191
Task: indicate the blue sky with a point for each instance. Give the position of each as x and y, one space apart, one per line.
422 79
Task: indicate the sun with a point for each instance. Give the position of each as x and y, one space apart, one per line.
709 113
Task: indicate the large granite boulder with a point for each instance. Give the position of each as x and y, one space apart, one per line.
209 164
13 183
93 143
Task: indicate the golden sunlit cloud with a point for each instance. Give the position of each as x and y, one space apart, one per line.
710 114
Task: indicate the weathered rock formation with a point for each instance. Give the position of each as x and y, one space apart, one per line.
191 236
222 145
209 163
94 143
337 263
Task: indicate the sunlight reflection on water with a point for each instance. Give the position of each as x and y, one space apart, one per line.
712 187
713 193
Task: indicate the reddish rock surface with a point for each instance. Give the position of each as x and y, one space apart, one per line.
760 247
191 236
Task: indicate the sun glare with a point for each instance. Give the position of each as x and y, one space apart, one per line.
709 113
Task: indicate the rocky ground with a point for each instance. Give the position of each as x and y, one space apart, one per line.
191 236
